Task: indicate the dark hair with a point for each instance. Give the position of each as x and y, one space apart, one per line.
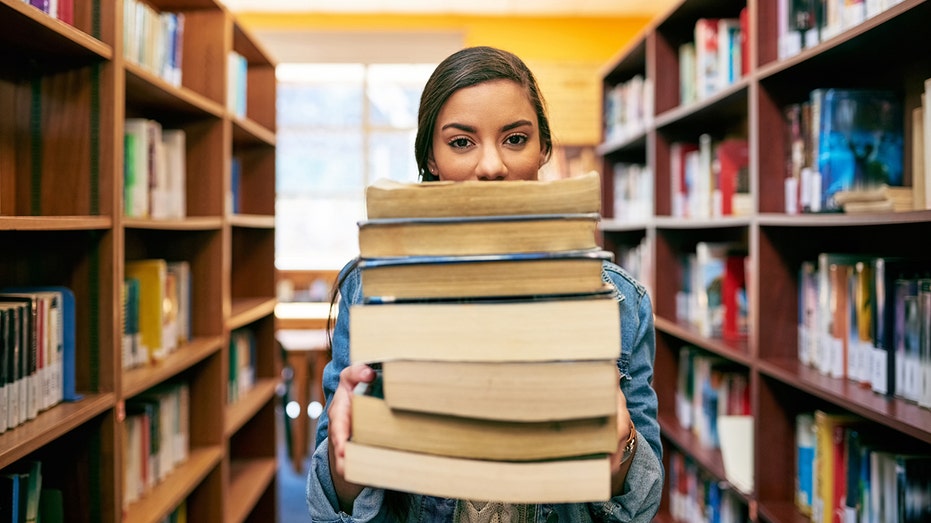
465 68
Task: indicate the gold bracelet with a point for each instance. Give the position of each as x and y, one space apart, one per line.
631 444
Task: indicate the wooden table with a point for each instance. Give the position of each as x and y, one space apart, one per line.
301 331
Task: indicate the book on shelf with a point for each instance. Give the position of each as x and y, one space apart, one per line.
30 488
882 198
12 497
857 141
859 322
179 295
237 84
633 192
733 178
375 423
154 170
26 332
503 390
11 321
830 475
585 479
808 301
6 376
708 278
168 404
707 61
920 189
924 336
682 165
154 39
469 276
51 506
153 277
131 342
889 285
243 358
922 150
139 143
832 336
584 327
688 92
59 345
469 235
804 461
734 300
391 199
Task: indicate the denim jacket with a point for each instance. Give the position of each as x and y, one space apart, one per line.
643 489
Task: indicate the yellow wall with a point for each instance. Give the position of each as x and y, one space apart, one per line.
533 38
567 54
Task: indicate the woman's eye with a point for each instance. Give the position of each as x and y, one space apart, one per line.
459 143
516 139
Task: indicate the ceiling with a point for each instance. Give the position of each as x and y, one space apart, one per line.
472 7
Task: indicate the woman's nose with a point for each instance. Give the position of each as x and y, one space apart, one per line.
491 166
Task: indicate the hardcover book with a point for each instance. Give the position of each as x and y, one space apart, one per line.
375 423
391 199
517 274
552 481
152 275
516 391
582 328
456 236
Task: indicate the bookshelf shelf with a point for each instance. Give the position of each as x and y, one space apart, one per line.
52 424
252 221
147 90
247 478
176 487
19 22
142 378
776 243
67 91
243 410
247 132
55 223
248 310
205 223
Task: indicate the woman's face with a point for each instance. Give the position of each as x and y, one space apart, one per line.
487 132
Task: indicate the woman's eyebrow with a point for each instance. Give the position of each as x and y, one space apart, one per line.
460 126
514 125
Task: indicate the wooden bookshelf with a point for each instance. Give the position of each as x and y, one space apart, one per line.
883 51
65 91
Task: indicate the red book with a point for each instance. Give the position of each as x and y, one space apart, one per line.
66 11
734 297
734 160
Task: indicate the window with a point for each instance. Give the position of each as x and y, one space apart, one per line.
340 127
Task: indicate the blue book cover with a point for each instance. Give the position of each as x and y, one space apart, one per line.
860 140
10 507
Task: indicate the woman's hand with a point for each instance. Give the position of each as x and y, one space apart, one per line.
625 428
340 428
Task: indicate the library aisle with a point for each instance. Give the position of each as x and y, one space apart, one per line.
292 502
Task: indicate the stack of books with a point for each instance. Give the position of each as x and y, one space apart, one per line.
496 341
882 198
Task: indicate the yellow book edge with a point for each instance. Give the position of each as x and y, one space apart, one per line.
560 481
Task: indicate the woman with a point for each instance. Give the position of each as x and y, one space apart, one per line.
482 117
